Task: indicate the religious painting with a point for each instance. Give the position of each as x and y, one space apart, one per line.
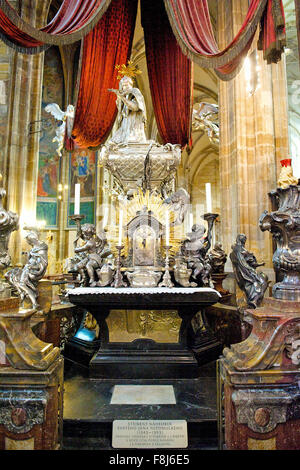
47 210
83 164
49 160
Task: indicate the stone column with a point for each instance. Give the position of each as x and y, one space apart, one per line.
22 147
297 8
253 139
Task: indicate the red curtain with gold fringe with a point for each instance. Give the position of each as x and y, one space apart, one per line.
170 75
191 24
74 19
108 45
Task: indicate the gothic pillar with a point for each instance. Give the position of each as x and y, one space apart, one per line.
253 139
22 147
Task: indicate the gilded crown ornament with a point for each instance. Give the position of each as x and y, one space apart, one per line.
128 70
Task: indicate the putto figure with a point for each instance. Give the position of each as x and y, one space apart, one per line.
244 264
194 250
89 263
217 257
25 280
131 118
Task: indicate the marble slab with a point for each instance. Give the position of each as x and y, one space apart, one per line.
143 395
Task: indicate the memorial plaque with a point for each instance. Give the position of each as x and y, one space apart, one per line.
143 395
149 434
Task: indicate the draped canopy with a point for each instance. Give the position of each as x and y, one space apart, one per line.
176 33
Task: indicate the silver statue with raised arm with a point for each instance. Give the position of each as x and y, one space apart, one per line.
25 280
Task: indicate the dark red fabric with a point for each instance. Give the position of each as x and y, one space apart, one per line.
108 45
273 31
15 35
170 75
72 16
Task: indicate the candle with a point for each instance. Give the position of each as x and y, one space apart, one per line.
120 226
105 218
191 220
208 197
167 229
77 199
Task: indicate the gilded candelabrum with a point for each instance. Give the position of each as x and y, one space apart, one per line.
284 224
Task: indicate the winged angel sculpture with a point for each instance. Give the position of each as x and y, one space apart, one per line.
67 118
205 117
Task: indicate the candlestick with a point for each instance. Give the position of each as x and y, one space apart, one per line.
167 228
118 278
120 227
77 199
77 218
208 197
166 280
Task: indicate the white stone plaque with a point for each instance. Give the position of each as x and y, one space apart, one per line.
143 395
149 434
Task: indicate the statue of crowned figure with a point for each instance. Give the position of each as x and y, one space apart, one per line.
128 154
131 118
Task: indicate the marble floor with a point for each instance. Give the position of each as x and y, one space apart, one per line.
89 410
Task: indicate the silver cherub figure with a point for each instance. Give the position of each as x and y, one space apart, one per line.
25 280
89 261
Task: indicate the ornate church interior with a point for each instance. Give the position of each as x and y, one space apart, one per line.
149 225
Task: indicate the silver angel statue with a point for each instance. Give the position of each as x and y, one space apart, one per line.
205 117
25 280
131 118
67 118
252 283
179 203
89 262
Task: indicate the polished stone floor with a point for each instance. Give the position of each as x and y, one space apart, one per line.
88 412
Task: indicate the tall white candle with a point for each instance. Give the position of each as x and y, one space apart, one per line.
77 199
167 228
120 226
191 221
105 218
208 197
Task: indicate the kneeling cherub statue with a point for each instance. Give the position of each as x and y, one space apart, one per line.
94 260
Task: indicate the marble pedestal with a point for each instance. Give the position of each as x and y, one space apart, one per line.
31 408
148 332
258 392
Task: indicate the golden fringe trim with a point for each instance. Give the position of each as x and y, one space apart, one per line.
52 39
228 56
24 50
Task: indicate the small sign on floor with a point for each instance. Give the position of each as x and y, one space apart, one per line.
149 434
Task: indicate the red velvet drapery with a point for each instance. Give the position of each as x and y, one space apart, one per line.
170 75
190 20
108 45
74 19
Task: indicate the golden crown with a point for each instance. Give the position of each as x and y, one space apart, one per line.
128 70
